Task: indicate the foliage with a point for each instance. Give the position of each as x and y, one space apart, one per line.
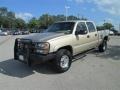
105 26
33 23
108 26
8 20
20 23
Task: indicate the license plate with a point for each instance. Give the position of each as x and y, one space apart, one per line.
21 57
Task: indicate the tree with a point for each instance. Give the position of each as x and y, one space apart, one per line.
72 18
100 28
7 18
3 11
4 22
11 15
60 18
20 23
45 20
33 23
108 26
83 18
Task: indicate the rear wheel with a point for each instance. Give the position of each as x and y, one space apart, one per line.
63 60
103 46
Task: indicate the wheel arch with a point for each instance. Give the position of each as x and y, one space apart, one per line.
106 38
68 47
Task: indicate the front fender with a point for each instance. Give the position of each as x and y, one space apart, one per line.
56 48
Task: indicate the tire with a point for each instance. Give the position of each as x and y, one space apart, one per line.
62 61
103 46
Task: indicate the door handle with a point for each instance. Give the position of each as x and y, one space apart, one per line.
88 36
95 34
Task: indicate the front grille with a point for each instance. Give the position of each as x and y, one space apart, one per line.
24 46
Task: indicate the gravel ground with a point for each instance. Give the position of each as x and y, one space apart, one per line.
95 71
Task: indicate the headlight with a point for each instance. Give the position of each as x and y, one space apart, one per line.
42 47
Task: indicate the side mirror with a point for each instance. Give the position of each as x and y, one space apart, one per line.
76 32
81 32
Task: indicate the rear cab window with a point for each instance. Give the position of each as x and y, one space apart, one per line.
91 27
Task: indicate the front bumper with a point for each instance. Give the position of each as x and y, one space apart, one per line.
28 57
35 58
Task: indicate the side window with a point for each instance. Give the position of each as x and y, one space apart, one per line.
81 27
91 27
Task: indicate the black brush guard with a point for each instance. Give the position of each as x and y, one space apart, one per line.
24 51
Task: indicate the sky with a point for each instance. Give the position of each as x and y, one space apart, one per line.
95 10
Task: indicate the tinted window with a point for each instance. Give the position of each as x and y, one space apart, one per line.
91 27
81 26
61 27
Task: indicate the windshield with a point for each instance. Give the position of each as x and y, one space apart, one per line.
62 27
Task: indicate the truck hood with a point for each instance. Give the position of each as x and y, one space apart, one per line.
43 37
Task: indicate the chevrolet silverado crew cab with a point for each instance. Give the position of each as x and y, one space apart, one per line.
60 43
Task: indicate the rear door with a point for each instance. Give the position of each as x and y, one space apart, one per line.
93 34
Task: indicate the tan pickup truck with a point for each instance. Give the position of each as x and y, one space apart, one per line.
60 43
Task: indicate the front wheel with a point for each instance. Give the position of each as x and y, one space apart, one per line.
103 46
63 60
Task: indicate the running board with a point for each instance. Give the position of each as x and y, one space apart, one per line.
81 55
77 57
